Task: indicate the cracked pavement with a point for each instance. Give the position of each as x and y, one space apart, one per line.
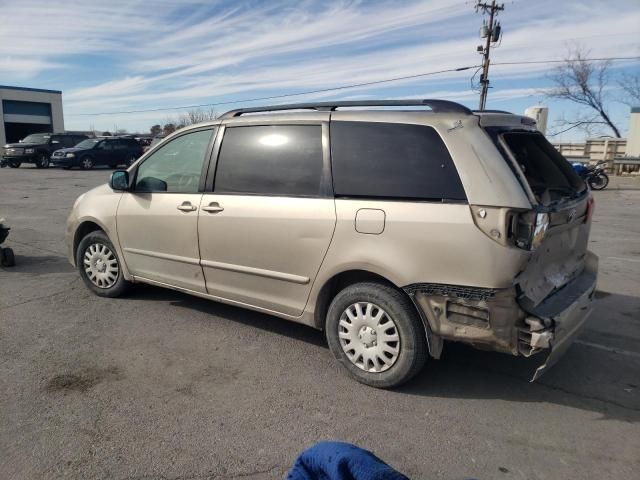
160 385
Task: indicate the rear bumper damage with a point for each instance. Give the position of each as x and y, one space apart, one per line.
556 322
499 320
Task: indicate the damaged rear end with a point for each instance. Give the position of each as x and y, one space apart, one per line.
555 275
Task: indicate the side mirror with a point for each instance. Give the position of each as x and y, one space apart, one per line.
119 180
54 142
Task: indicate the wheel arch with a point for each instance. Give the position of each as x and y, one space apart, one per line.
90 224
84 229
343 279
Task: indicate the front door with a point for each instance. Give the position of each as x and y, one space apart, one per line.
158 220
268 223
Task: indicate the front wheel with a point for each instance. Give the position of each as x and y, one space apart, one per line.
42 161
599 182
86 163
376 334
99 266
14 164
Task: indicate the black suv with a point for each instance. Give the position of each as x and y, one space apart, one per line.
37 148
98 151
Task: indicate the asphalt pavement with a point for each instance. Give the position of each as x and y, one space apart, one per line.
161 385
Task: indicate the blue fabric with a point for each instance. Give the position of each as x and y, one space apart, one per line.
340 461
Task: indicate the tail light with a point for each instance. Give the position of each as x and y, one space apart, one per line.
539 230
528 229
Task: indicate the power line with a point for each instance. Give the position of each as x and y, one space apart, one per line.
273 97
343 87
602 59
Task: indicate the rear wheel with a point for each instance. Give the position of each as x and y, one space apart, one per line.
99 266
375 332
86 163
42 161
599 182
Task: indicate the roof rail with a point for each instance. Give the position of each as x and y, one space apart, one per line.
492 111
437 106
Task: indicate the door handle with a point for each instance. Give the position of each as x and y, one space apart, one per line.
213 207
187 207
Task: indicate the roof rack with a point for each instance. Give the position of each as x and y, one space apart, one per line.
492 111
437 106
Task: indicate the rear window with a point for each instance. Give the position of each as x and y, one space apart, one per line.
390 160
548 173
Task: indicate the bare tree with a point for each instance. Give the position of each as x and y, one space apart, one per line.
168 128
197 116
630 85
584 82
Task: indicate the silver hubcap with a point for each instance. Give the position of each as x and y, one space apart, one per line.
369 337
87 163
101 265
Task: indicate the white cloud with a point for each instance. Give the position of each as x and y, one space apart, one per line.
171 53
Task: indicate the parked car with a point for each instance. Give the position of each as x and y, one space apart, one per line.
390 230
156 140
110 151
37 148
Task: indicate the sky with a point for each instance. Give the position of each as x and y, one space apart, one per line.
129 55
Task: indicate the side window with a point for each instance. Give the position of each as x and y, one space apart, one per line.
105 145
63 141
390 160
175 167
272 160
120 145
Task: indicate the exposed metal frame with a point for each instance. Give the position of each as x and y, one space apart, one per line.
436 106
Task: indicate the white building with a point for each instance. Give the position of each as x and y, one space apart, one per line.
540 114
29 110
633 137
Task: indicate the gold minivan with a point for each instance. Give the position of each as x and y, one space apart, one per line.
391 229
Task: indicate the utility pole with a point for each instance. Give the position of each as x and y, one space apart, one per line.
492 33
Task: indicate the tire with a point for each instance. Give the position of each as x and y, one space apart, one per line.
14 164
7 257
599 182
86 163
42 161
398 321
95 259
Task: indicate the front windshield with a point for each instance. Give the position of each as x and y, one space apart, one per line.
88 143
37 138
